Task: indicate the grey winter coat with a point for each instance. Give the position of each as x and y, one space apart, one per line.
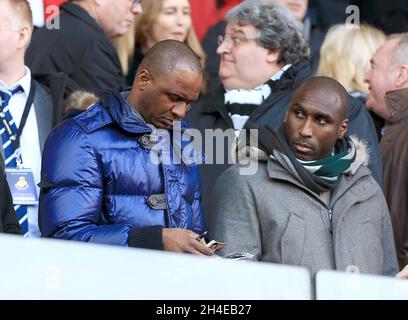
274 216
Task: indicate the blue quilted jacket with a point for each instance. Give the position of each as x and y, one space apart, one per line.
99 183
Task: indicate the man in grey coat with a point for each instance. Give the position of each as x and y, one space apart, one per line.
264 59
312 201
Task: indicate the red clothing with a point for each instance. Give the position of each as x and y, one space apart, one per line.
205 14
229 4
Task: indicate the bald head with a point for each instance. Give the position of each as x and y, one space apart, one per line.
165 56
317 118
336 96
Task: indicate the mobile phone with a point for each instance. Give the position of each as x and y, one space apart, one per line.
215 245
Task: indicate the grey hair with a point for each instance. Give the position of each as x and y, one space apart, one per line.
400 53
278 29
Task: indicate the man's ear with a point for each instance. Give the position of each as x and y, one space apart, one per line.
273 56
401 80
143 79
286 117
24 37
343 128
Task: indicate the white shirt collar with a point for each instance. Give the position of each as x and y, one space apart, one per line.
280 73
24 82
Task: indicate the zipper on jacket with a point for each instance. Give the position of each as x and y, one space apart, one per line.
167 211
329 214
331 221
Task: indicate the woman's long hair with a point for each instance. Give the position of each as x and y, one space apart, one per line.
137 36
346 53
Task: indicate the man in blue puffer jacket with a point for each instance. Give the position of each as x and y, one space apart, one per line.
100 181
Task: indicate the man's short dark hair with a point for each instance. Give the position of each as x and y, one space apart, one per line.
165 55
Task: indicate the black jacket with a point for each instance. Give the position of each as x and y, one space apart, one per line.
8 219
80 49
331 12
389 16
138 57
209 113
314 37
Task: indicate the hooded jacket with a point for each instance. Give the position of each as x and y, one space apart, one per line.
394 146
100 183
272 215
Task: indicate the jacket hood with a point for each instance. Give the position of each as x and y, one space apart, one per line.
362 154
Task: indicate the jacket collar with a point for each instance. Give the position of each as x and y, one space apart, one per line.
82 14
44 112
276 171
214 102
293 77
397 102
347 181
126 117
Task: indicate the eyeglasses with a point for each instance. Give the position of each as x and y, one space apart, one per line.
233 41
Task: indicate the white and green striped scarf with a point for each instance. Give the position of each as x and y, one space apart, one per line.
330 168
319 175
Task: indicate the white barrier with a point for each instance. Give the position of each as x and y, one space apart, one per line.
52 269
332 285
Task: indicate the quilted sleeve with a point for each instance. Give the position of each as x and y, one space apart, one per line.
72 190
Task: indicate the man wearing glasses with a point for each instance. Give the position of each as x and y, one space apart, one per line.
264 58
81 46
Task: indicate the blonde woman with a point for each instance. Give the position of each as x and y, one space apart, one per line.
346 53
345 56
160 20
